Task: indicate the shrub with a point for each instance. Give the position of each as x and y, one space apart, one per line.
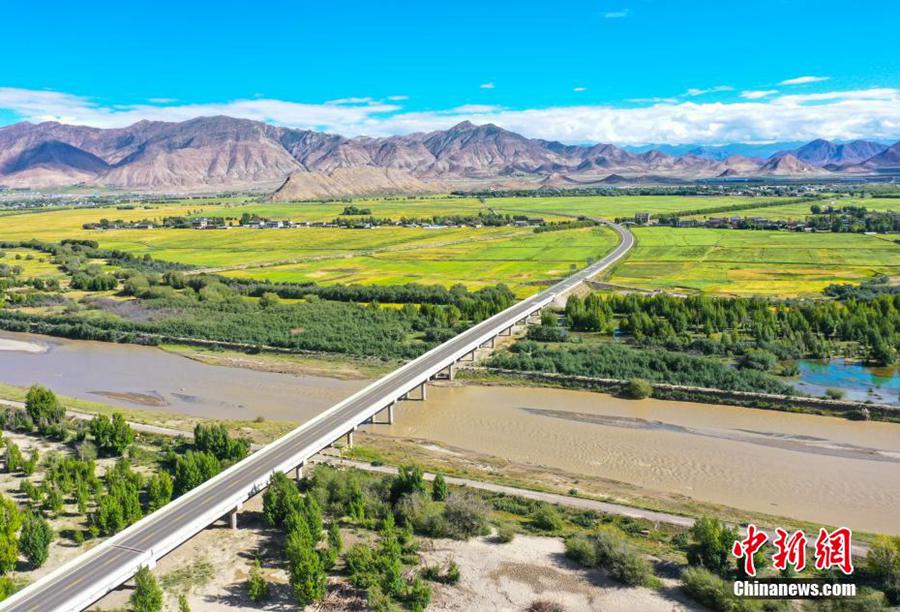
638 388
713 592
44 408
466 516
35 539
613 554
835 394
257 587
439 489
547 518
147 596
710 546
505 533
580 549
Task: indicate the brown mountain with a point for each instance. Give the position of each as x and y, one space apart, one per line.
788 165
221 152
347 182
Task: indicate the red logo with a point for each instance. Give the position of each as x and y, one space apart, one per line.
832 550
789 550
747 547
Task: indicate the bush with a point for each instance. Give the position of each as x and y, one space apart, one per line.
466 516
439 490
621 560
713 592
711 543
505 533
758 359
638 388
612 553
35 540
581 549
44 408
147 596
547 518
835 394
257 587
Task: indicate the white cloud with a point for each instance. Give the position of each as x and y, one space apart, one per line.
488 85
580 89
804 79
397 98
867 113
616 14
162 100
757 94
693 91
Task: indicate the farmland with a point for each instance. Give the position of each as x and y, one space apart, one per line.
521 259
735 262
799 210
715 261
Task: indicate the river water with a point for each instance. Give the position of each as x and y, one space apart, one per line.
810 467
146 377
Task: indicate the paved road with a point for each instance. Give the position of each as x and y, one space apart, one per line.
79 583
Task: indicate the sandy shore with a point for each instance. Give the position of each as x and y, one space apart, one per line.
7 344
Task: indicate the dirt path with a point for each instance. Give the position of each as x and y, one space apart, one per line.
552 498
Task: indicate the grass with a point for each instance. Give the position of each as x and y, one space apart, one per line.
736 262
610 207
522 259
800 210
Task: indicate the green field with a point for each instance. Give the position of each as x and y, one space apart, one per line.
610 207
799 210
737 262
719 261
524 260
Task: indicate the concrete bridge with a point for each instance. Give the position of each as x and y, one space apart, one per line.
87 578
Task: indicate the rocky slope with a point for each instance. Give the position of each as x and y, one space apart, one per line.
348 182
223 152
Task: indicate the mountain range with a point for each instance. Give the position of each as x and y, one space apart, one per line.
223 152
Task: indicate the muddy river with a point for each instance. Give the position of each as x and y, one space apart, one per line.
810 467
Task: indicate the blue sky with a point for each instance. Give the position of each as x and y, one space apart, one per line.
625 71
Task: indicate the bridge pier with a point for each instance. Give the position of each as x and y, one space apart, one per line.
470 356
298 472
350 437
506 332
233 516
389 409
488 343
448 373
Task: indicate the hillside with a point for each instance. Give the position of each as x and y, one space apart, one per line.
223 152
349 182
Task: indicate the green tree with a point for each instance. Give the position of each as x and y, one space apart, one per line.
35 539
269 299
112 436
280 499
159 491
257 587
710 545
410 479
44 408
147 596
307 575
883 562
194 468
439 490
10 521
216 440
183 605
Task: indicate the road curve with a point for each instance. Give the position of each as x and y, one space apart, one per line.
84 580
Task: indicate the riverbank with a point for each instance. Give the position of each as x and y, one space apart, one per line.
855 410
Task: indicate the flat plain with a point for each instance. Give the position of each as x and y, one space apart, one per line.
746 262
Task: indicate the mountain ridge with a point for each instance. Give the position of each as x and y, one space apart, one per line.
221 151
